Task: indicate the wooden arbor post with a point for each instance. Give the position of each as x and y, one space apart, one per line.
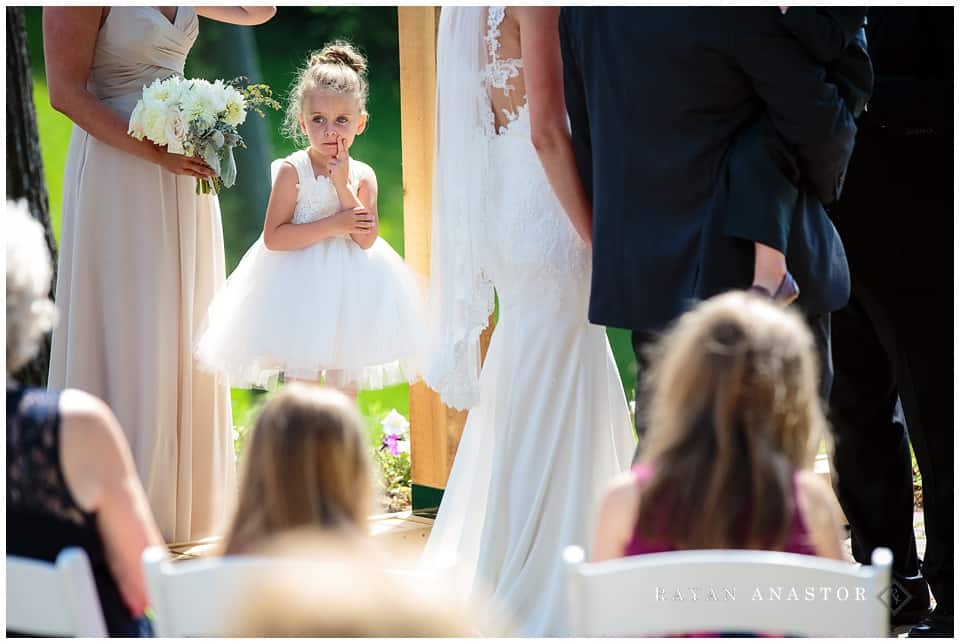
434 429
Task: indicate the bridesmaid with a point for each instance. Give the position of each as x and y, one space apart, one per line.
140 256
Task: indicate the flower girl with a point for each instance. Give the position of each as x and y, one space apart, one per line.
319 294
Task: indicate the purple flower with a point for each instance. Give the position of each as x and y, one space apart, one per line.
391 442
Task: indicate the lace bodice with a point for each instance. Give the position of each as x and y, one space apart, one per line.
316 196
35 481
531 243
497 224
503 80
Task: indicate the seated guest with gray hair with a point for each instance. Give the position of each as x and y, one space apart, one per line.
70 475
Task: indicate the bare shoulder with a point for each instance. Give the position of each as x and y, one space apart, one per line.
364 171
84 410
366 181
286 174
616 518
93 449
622 495
88 424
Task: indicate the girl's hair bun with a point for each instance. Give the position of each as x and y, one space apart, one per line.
340 53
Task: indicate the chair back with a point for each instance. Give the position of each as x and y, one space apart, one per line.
54 599
728 591
201 597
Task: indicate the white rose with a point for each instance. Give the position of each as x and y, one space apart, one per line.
175 131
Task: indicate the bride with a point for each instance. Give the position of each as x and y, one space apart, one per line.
548 425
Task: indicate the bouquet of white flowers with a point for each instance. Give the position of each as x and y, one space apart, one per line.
199 118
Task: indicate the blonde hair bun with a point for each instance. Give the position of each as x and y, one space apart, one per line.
340 53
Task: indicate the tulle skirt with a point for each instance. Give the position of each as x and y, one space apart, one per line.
333 309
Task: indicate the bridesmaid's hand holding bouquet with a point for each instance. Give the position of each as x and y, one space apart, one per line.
199 118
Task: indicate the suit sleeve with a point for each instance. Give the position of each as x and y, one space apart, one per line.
825 31
575 100
805 109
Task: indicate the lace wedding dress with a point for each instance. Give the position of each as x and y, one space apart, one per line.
548 425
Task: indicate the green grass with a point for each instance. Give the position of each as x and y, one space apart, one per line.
55 129
374 407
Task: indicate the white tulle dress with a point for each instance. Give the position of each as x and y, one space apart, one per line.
330 310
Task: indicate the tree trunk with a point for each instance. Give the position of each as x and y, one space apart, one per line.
24 163
227 51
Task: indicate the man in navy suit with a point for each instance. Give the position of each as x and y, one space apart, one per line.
656 97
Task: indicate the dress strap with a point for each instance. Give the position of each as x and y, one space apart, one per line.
495 17
301 161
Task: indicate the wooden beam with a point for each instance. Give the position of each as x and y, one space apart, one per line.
429 444
434 429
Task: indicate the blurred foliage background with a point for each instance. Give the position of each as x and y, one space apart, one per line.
272 53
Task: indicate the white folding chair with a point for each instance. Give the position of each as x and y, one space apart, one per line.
202 597
54 599
727 591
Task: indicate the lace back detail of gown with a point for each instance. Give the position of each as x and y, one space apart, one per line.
502 77
35 480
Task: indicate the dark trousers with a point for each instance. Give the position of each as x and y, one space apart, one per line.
895 341
888 347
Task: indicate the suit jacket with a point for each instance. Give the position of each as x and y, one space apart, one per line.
763 197
656 97
835 37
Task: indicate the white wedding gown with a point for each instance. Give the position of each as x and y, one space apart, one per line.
551 427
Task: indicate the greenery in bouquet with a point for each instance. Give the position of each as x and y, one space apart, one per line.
200 118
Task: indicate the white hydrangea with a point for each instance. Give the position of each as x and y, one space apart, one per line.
153 120
163 91
203 101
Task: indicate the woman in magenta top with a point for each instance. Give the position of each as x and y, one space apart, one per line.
734 422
